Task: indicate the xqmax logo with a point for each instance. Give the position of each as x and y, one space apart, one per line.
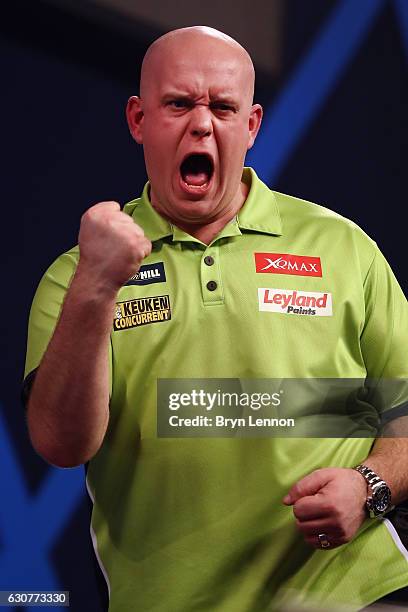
285 263
289 301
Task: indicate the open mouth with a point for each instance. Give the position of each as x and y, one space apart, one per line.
197 170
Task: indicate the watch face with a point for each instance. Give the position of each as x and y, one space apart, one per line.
381 499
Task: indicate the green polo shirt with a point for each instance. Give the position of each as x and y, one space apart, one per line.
288 289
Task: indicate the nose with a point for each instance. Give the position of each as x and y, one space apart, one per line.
201 121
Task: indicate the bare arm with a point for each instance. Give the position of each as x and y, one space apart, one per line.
68 409
389 459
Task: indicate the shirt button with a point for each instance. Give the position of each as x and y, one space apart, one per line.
209 260
211 285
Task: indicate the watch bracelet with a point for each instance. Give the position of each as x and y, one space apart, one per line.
374 481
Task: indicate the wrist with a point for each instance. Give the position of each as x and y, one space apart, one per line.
89 286
378 500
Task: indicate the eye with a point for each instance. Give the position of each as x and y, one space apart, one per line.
223 107
179 103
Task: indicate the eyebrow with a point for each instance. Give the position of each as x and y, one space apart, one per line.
178 95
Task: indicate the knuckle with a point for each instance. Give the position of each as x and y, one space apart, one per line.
127 218
136 240
93 213
323 471
147 245
86 215
137 227
109 204
102 209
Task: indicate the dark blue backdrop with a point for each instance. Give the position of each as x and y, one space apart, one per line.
334 132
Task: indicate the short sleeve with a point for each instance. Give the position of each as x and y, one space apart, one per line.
45 311
384 339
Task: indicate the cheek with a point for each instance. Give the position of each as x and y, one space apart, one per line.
164 140
157 145
159 159
233 150
234 139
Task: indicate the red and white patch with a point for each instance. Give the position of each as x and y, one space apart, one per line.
285 263
291 301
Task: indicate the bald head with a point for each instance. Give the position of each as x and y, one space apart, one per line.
196 120
195 41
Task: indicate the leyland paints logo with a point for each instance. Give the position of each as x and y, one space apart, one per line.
285 263
289 301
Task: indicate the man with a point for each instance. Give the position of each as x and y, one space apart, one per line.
217 523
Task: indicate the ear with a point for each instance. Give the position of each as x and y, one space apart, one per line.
135 116
255 119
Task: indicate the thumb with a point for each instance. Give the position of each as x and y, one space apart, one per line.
309 485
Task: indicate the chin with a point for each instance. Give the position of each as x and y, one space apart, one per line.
194 210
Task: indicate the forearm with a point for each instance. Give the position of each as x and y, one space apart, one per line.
68 409
389 459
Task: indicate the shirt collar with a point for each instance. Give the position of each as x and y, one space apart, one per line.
259 213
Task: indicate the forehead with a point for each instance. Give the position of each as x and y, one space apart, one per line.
193 77
192 68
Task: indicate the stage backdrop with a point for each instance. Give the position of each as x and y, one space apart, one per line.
334 132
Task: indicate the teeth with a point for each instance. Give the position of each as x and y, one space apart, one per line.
198 187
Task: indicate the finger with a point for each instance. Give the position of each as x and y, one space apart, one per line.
137 229
108 205
310 507
310 528
126 218
309 485
147 247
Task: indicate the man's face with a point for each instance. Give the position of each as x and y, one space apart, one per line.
196 122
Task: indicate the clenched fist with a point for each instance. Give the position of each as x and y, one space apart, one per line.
111 245
329 501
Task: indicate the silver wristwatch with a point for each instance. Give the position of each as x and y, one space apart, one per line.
379 498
